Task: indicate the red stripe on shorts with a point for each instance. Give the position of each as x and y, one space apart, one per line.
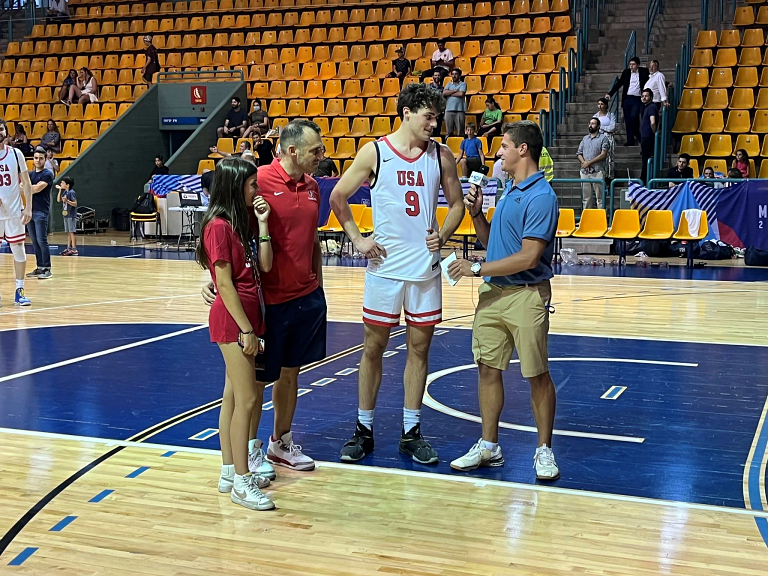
383 314
423 314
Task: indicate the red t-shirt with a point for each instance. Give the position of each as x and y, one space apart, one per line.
222 244
293 225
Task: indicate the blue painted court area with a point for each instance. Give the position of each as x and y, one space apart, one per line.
681 428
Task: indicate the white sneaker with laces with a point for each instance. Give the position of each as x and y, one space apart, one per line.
284 452
477 457
226 482
258 465
250 496
544 463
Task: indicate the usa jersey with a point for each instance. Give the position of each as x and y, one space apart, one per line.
404 202
12 163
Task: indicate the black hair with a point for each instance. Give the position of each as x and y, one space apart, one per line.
159 157
69 181
734 173
746 154
686 156
247 144
236 99
40 150
649 91
635 59
19 127
603 100
417 96
227 201
526 132
293 133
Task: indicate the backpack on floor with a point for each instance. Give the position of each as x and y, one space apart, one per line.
755 257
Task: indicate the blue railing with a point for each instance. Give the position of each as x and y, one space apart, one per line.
715 13
655 8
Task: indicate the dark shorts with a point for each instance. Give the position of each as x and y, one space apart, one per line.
295 336
474 165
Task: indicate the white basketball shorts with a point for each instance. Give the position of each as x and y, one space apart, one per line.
384 298
13 231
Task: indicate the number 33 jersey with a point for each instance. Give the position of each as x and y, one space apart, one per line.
404 201
12 163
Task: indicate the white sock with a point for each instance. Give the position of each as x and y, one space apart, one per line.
365 417
227 470
488 445
19 284
240 480
410 419
542 447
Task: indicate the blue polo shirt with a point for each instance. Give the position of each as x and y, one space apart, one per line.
526 210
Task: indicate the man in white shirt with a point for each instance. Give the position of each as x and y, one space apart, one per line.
58 9
631 83
657 84
442 61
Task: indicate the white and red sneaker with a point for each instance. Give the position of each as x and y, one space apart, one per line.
284 452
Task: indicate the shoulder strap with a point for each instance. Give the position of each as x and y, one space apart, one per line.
378 165
439 159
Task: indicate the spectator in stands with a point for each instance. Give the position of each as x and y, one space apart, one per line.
632 81
648 126
592 152
51 140
498 170
51 163
152 60
708 173
741 162
259 121
437 84
681 170
206 179
657 83
264 148
472 158
68 81
37 228
401 66
607 127
734 174
86 90
20 139
68 198
442 61
160 168
326 168
245 146
235 123
490 125
57 10
455 104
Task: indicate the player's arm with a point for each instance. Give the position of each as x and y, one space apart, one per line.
362 167
26 186
39 187
526 259
317 259
453 195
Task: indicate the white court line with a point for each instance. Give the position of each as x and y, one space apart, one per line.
440 407
101 323
479 482
100 353
31 310
131 256
750 458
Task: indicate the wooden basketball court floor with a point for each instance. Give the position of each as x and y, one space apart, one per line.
108 462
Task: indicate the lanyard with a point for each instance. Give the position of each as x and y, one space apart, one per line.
257 277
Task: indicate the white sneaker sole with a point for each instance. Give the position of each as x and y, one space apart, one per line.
302 467
547 478
225 487
489 464
265 471
252 505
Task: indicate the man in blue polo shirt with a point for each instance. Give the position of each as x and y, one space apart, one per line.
513 302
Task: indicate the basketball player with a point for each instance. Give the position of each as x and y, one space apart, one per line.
13 214
405 170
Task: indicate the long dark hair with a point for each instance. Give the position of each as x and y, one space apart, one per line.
228 202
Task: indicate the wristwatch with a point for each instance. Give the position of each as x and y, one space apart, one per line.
476 268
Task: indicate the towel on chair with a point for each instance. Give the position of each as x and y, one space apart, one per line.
693 217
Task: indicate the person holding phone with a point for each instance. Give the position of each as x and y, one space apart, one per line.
234 255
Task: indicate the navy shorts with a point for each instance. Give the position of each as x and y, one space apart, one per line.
295 335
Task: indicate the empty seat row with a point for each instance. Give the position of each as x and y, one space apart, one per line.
730 38
47 95
727 57
60 113
720 145
718 99
712 122
747 16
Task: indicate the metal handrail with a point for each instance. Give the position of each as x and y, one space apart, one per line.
624 183
665 181
655 8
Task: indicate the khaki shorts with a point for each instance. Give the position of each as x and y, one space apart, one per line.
510 317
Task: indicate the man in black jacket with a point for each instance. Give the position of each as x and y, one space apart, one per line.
631 83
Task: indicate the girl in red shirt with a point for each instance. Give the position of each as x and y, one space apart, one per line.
228 250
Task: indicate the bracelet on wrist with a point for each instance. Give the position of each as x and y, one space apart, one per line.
264 238
244 333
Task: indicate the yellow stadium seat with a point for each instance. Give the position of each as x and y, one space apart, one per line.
719 145
514 84
560 25
492 84
522 104
742 99
532 46
746 77
332 89
381 127
753 37
725 57
345 149
315 107
545 63
717 165
687 121
702 58
536 83
354 107
717 99
750 57
205 165
706 39
659 225
69 150
693 145
760 123
711 121
523 64
763 169
744 16
295 108
748 142
624 226
277 107
593 224
360 127
390 87
738 121
541 103
90 130
339 128
721 78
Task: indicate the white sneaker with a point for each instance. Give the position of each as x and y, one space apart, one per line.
250 496
284 452
544 462
477 457
257 463
226 482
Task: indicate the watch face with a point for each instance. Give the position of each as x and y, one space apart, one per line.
475 268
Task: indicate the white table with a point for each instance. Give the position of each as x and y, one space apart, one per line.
188 222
